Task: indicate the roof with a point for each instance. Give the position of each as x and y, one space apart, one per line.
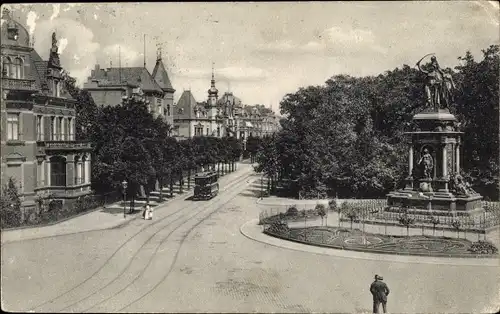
228 96
205 174
187 102
131 75
161 77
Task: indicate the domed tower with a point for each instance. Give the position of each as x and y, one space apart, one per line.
213 112
212 92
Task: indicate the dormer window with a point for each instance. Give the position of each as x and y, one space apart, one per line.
12 31
56 92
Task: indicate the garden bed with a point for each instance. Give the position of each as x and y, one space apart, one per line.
346 239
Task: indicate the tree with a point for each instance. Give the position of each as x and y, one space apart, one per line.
351 211
321 210
434 221
476 106
406 220
456 224
86 109
10 205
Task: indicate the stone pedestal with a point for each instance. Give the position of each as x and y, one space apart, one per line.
438 133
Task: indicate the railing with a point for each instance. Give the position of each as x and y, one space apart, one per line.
66 145
10 83
79 181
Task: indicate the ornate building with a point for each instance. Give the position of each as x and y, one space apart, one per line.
109 86
194 118
38 146
225 116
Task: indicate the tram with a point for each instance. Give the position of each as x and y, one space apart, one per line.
205 185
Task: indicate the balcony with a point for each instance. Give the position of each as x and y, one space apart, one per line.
65 145
18 84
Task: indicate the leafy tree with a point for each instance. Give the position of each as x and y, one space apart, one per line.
406 220
10 205
321 210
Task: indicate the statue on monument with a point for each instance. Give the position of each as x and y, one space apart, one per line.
427 164
54 56
439 85
460 187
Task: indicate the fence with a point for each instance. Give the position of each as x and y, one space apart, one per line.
374 211
48 210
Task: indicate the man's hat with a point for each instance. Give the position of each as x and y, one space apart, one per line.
380 278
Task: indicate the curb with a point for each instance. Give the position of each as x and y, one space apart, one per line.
247 230
187 193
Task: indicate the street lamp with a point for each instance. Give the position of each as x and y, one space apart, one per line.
124 185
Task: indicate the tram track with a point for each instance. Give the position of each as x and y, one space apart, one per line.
72 294
184 236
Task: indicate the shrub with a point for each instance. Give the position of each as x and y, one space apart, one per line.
321 210
279 227
10 205
482 247
292 211
332 204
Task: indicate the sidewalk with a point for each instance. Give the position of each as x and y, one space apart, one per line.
103 218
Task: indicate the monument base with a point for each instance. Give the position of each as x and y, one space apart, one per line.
441 200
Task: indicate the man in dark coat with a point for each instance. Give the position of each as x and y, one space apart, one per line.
380 291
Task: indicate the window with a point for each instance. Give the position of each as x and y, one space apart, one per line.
18 68
198 131
57 171
6 70
55 90
218 131
62 122
168 110
83 171
53 129
39 128
76 166
13 126
208 131
71 135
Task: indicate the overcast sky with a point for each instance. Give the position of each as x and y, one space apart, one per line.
261 50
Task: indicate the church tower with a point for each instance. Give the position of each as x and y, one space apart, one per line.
212 106
212 92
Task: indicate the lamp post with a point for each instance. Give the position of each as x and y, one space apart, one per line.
262 186
124 186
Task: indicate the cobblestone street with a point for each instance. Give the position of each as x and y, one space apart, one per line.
204 264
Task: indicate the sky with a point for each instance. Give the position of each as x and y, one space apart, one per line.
261 50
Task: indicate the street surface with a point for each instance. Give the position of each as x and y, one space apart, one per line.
192 258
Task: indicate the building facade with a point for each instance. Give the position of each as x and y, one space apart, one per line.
194 118
224 116
108 87
38 147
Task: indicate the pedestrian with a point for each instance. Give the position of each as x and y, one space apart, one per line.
148 212
380 291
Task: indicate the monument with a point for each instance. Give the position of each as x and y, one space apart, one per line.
434 145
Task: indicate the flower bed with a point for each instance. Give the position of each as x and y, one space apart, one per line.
342 238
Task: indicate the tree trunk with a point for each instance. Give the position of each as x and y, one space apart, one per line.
189 178
407 231
171 186
351 224
181 182
160 183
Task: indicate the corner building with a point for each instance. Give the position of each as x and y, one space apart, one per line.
38 146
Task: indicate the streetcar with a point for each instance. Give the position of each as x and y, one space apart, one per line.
205 185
